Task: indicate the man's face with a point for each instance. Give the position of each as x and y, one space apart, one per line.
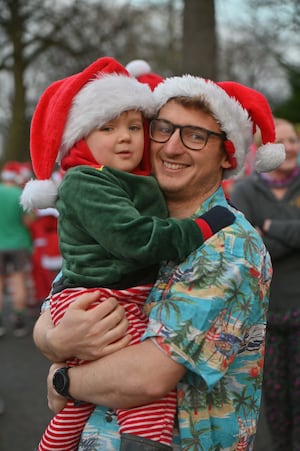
183 173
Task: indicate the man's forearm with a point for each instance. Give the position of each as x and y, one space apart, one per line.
134 376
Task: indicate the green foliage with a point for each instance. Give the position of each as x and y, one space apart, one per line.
45 40
290 109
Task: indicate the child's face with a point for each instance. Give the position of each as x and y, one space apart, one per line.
119 143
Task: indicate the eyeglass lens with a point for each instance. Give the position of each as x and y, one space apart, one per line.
194 138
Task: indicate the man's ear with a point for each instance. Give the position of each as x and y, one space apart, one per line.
225 163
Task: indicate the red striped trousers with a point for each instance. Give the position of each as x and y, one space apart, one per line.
154 421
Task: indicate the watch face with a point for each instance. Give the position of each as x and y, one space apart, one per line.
60 381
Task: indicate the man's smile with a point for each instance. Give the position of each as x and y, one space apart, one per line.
174 166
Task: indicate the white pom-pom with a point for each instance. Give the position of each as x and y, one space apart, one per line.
39 194
138 68
269 157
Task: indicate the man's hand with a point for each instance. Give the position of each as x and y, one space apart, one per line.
82 333
56 402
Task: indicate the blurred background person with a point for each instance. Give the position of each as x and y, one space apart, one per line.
271 202
15 248
46 256
142 71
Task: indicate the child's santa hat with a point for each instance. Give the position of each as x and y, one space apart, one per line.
142 71
69 110
238 110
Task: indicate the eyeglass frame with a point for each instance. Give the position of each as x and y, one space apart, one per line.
209 133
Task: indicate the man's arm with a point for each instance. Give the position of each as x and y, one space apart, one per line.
133 376
85 334
129 377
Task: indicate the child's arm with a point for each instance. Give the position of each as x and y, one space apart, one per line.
107 208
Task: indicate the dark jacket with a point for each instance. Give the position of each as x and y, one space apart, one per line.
254 198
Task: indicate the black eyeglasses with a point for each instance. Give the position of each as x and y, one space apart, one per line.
194 138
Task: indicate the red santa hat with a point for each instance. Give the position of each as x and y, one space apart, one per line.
25 172
17 172
238 110
69 110
142 71
10 171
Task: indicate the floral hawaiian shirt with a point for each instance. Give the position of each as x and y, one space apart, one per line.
208 313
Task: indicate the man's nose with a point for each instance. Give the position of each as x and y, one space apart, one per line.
174 144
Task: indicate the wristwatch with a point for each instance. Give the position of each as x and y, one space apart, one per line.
61 383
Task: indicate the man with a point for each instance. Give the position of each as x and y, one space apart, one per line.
207 314
15 248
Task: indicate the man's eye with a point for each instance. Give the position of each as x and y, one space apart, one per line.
164 129
195 135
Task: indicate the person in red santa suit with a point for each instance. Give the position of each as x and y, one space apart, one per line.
113 224
46 256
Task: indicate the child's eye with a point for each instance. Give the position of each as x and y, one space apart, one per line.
106 128
135 127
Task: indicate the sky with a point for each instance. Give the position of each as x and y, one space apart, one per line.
228 9
225 9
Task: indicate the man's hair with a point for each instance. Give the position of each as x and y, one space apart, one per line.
196 103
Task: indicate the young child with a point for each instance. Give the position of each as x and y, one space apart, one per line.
113 224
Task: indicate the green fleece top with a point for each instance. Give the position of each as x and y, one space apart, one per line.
14 235
114 231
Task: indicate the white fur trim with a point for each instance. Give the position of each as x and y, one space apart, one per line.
101 100
47 212
52 263
269 156
229 113
138 68
39 194
8 176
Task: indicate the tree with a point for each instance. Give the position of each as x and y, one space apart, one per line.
199 52
22 43
290 108
43 40
258 47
